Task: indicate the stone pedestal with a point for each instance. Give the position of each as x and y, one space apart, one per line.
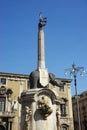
39 109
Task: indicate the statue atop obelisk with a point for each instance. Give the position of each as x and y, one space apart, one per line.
41 52
40 77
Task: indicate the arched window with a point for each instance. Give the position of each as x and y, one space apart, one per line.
64 128
63 109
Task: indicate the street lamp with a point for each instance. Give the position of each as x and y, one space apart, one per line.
73 74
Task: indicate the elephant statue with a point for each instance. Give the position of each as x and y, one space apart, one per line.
34 79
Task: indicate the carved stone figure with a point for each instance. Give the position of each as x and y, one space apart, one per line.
28 114
35 80
53 81
44 107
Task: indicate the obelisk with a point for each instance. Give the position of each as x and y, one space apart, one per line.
39 103
41 53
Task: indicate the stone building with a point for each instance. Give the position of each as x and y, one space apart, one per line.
82 98
11 86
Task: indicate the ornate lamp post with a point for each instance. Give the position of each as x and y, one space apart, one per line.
73 73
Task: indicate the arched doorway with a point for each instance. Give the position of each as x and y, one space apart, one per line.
2 127
64 127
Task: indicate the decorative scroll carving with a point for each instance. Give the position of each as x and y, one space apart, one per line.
28 114
44 107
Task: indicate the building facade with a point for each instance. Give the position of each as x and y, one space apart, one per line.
11 86
82 98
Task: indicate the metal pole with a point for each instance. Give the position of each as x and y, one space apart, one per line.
77 101
73 72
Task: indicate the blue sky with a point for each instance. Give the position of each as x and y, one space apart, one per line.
65 36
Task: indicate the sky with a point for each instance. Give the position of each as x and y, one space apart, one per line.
65 37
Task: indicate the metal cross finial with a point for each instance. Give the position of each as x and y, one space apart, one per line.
42 21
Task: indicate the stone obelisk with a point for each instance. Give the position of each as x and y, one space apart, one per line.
41 53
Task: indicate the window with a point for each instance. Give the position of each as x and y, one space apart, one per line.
2 104
61 88
83 107
63 109
3 80
28 83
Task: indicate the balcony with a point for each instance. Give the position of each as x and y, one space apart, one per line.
7 114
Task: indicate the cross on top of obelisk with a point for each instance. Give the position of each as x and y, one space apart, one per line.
42 21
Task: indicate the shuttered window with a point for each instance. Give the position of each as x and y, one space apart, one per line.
2 104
